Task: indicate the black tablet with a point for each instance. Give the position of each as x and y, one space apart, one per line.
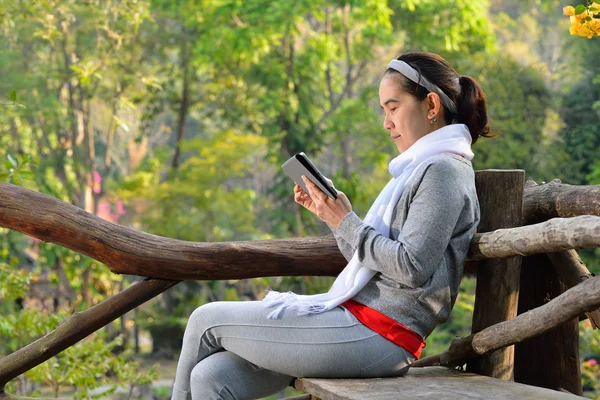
299 165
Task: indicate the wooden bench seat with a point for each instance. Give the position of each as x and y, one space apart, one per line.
426 383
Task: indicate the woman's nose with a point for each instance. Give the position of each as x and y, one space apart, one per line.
387 123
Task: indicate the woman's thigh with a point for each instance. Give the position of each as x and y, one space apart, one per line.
330 344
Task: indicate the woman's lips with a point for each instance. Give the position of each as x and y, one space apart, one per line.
394 137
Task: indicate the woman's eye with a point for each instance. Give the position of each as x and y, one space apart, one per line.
393 109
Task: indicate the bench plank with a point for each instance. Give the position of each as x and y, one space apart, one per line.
426 383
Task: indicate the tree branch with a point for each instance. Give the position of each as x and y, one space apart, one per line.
583 297
557 234
78 326
556 199
127 251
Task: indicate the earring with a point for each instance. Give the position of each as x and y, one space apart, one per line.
433 120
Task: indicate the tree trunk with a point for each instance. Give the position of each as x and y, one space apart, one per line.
185 100
110 134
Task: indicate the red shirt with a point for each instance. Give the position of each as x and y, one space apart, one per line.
386 327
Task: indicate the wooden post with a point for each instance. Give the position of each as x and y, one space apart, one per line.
500 194
550 360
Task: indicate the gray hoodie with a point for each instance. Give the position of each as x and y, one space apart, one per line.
421 264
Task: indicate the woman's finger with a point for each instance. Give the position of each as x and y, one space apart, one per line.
307 183
313 189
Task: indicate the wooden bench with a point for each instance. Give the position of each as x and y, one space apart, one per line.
426 383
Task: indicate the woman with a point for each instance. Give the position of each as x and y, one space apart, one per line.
405 260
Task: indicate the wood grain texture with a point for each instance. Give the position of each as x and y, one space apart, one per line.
556 199
500 194
583 297
426 383
572 271
127 251
558 234
550 360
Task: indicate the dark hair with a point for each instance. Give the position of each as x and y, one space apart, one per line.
470 102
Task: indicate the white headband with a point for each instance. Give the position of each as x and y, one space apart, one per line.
413 75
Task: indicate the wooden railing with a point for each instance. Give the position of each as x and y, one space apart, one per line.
557 220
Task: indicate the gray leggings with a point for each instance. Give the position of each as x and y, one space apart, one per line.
232 351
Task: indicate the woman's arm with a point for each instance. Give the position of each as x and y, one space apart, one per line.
345 248
427 230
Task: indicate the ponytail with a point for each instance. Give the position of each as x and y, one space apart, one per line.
472 109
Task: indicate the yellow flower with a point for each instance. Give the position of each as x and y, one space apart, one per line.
584 30
584 23
569 10
574 30
594 25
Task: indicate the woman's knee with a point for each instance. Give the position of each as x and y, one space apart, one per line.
205 384
207 315
217 377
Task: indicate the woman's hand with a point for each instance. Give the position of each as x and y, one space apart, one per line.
302 198
327 209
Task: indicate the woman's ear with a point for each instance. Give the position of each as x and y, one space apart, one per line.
433 105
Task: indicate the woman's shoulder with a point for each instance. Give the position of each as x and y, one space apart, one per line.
447 166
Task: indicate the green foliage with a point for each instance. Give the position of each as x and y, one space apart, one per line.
84 366
15 282
589 347
522 113
581 136
17 169
203 199
13 100
459 27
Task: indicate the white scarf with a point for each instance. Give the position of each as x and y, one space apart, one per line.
454 138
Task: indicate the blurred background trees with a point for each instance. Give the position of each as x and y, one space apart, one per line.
174 117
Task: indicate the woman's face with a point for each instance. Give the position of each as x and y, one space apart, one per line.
405 116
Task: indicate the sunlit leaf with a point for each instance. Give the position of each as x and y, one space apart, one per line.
12 160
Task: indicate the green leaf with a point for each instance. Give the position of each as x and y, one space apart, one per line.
579 9
8 164
12 160
13 95
77 69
